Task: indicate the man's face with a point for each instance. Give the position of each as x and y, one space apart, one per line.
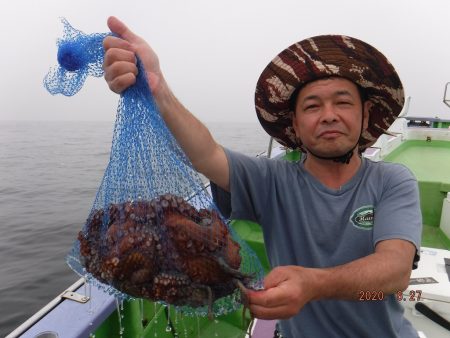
328 116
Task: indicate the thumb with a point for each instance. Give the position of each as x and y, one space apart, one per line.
275 278
118 27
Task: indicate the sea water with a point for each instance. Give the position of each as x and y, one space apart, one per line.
49 175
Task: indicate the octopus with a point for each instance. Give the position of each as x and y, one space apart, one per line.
163 250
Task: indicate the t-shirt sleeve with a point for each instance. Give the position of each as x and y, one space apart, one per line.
249 187
398 215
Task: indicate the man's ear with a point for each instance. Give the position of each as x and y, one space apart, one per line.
367 105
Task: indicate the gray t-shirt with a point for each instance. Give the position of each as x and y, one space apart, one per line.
308 224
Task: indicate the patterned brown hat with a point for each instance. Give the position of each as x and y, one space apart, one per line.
320 57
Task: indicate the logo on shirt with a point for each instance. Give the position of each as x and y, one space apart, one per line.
362 218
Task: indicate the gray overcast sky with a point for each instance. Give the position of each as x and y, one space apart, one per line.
212 52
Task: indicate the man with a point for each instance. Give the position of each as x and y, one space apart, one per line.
336 226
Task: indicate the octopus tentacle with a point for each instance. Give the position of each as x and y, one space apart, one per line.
246 303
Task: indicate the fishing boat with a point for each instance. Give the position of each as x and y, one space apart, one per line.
421 143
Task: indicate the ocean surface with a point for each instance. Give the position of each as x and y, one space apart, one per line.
49 176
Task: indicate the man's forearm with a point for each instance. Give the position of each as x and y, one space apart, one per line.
194 138
382 273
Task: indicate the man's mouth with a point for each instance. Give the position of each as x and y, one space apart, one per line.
330 133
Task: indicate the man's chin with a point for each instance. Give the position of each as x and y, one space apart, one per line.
329 153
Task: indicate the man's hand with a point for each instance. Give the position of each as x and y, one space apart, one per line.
194 138
120 59
286 290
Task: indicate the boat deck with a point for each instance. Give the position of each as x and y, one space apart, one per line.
430 163
433 237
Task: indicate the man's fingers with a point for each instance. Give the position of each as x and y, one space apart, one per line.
283 296
120 68
273 303
131 46
120 59
114 42
267 298
122 82
279 312
115 54
118 27
275 277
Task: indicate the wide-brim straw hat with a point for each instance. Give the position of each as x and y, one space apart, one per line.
320 57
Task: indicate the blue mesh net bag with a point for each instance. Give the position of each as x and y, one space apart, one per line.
153 231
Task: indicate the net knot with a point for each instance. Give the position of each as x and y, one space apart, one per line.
79 55
71 56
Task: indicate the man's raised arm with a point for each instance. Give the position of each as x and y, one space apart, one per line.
207 156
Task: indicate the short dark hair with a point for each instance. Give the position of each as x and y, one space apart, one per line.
293 100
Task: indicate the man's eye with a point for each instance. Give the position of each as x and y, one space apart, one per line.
311 107
344 103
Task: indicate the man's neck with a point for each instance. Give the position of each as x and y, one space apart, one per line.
332 174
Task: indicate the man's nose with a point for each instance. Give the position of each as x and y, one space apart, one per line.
329 113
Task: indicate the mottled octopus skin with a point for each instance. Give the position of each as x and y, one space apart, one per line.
162 250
